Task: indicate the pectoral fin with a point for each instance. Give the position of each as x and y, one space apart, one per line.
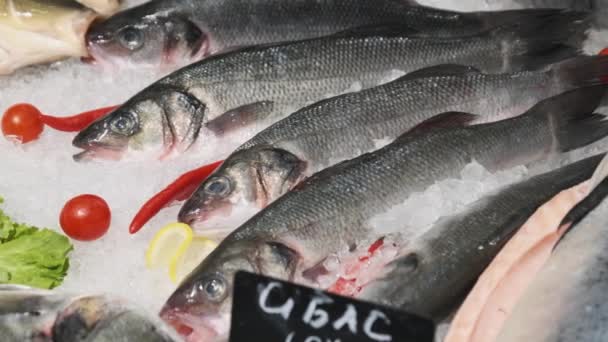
240 117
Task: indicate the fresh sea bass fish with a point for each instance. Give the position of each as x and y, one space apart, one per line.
43 316
437 269
341 128
568 297
39 31
258 86
176 32
331 211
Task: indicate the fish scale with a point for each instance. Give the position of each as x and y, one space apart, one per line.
568 296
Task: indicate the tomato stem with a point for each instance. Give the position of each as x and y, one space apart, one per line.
179 190
77 122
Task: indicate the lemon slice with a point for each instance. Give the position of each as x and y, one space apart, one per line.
199 249
168 245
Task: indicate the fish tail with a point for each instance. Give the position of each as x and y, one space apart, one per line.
537 42
598 191
500 18
573 121
581 71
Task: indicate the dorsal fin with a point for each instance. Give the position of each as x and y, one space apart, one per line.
441 70
444 120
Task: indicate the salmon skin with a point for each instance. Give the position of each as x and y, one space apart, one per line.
499 289
568 296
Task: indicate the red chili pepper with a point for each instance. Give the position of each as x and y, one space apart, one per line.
77 122
180 190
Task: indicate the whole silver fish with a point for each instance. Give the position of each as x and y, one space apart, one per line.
568 298
317 136
437 269
34 315
260 85
331 211
176 32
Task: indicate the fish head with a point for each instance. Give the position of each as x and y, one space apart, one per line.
79 318
41 315
27 312
254 177
200 308
161 120
146 36
104 320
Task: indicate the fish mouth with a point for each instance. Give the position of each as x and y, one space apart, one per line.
97 56
89 140
200 219
98 152
216 234
192 328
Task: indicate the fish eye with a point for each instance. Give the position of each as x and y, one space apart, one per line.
214 289
131 38
218 186
124 124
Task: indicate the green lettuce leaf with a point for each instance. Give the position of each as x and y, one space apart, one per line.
32 256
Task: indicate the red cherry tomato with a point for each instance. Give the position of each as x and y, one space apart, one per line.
22 121
85 218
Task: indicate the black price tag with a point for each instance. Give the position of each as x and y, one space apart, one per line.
269 310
